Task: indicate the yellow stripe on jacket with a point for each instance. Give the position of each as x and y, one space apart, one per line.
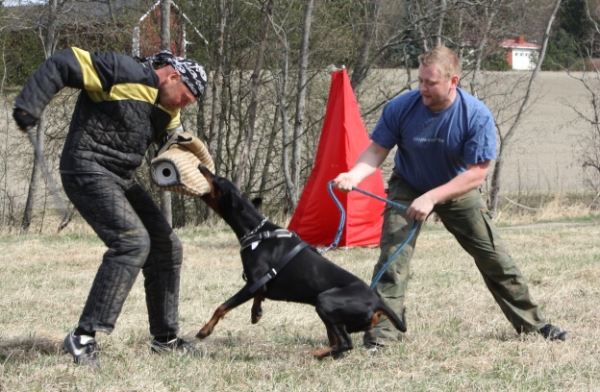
123 91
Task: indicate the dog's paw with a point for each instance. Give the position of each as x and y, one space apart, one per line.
256 314
322 353
204 332
256 318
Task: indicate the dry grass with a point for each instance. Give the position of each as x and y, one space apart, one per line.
536 207
458 340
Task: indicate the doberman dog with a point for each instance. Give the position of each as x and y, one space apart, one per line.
343 301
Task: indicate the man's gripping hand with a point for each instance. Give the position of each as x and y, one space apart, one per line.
344 182
23 119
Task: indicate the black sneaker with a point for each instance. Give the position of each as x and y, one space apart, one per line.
177 345
552 332
82 348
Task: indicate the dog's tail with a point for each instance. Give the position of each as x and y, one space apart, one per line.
384 309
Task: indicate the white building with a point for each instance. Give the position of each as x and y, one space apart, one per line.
521 55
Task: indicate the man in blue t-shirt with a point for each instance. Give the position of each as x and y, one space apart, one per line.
446 139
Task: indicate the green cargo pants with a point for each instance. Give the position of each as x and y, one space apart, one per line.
467 218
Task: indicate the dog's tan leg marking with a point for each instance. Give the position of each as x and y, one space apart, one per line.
208 328
381 312
256 312
375 318
334 341
322 353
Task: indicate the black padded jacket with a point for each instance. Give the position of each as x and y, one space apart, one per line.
117 115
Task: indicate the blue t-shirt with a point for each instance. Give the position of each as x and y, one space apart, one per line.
433 148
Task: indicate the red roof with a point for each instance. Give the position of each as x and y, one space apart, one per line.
519 42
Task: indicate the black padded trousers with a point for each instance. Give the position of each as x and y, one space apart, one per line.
138 237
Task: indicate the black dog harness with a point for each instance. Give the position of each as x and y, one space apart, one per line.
253 241
264 235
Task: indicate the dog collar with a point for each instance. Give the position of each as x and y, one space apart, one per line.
252 232
255 239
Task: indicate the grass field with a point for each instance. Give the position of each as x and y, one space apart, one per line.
457 339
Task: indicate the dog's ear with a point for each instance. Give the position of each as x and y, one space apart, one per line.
257 202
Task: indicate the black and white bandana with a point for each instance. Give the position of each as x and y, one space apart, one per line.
192 73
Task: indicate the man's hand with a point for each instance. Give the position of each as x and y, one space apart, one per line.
421 207
24 120
466 181
368 162
344 182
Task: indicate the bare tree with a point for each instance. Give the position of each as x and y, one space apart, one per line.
269 126
417 29
590 141
48 35
440 30
165 44
505 138
4 173
216 83
370 31
490 12
285 131
255 86
300 102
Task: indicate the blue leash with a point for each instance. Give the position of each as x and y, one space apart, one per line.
412 232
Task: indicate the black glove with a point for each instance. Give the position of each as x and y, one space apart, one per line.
24 120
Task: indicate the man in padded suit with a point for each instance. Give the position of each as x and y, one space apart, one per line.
125 105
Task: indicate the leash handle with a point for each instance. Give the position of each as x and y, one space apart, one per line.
412 232
338 234
343 212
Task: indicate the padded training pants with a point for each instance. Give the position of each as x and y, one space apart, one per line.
138 237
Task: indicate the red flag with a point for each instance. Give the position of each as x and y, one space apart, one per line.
343 138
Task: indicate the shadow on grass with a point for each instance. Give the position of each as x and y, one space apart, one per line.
249 349
24 349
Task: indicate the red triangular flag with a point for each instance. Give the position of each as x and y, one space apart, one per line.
343 138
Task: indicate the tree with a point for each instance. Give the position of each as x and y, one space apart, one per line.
263 112
573 39
255 80
216 82
562 52
370 30
165 44
574 21
49 44
297 144
590 139
505 138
